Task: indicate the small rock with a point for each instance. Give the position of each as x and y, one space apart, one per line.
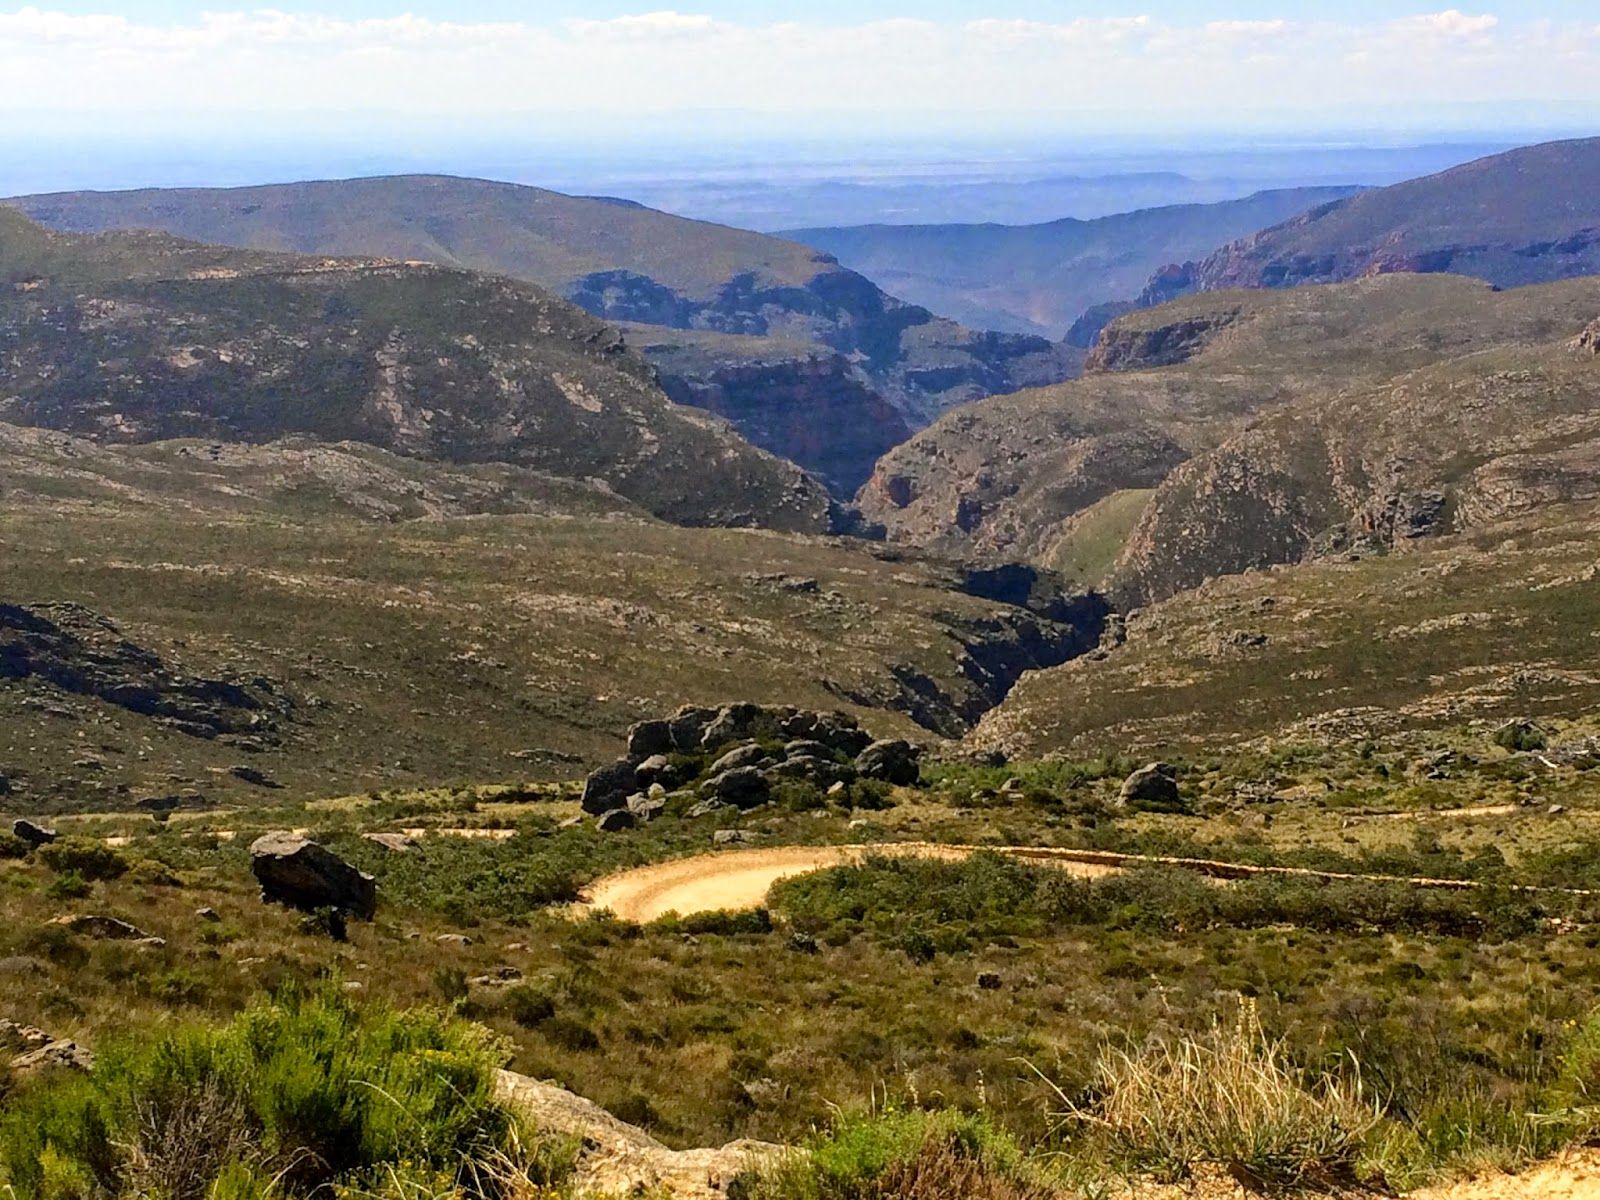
616 821
106 929
33 833
499 978
646 808
208 914
838 790
453 939
570 823
897 762
1557 809
990 981
705 808
396 843
254 776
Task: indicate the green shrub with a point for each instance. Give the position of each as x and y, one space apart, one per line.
92 860
13 847
69 886
307 1089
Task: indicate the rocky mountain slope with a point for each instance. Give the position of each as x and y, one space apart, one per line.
354 619
1040 279
1086 477
619 261
138 337
1528 216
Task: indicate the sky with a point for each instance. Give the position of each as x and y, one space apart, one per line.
850 65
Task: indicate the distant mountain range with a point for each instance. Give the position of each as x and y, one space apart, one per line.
136 337
1040 279
625 263
1528 216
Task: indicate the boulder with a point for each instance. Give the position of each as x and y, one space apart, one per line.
732 723
298 872
208 914
616 821
254 777
647 808
1154 788
609 787
688 727
54 1056
743 787
650 738
823 772
704 809
732 837
807 748
33 833
747 755
656 771
897 762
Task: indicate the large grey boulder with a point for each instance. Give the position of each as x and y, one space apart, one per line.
743 787
649 738
608 788
897 762
298 872
688 727
616 820
747 755
1154 788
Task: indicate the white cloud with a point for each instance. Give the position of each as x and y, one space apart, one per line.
669 60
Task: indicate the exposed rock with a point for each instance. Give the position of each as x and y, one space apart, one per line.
33 833
616 820
823 772
647 808
397 843
747 755
655 771
609 787
210 915
744 787
297 872
732 723
1588 342
616 1159
254 776
105 929
732 837
897 762
1153 788
83 653
20 1039
53 1056
704 809
990 981
650 738
689 727
1136 345
453 939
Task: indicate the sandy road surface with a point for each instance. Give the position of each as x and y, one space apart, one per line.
740 879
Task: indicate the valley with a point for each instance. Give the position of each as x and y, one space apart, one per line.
512 696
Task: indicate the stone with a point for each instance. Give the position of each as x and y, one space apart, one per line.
1153 788
208 914
1521 737
990 981
453 939
732 723
821 771
105 929
33 833
609 787
21 1039
655 771
616 821
743 787
649 739
705 808
747 755
302 874
897 762
570 823
56 1056
838 791
646 808
688 727
803 943
807 748
656 792
254 777
498 978
395 843
732 837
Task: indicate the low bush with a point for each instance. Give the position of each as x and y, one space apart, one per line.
93 860
308 1091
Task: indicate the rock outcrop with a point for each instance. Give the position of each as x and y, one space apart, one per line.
302 874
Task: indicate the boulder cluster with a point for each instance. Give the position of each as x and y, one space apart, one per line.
751 749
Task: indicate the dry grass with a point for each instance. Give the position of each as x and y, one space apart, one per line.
1230 1100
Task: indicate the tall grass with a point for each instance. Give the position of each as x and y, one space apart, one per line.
1229 1100
303 1093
